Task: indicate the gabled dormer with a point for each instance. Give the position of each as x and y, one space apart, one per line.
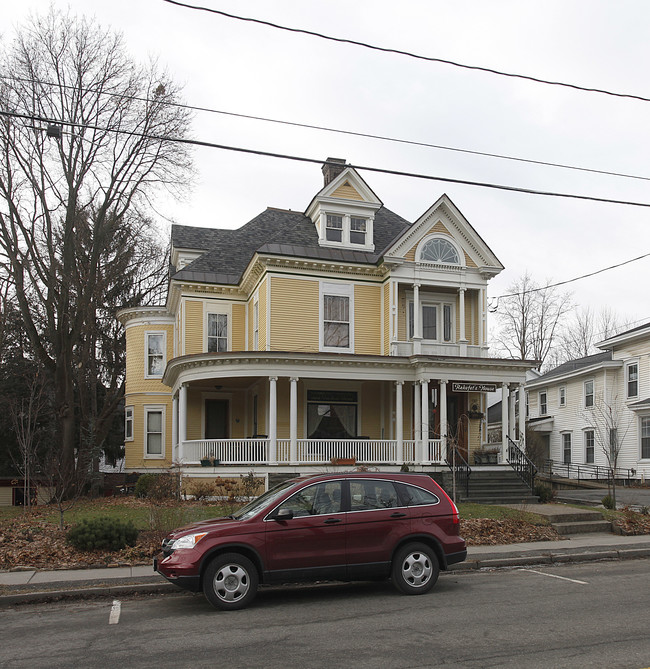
344 210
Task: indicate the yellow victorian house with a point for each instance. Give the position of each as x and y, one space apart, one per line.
305 341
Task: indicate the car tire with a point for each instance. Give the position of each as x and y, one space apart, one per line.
230 582
415 569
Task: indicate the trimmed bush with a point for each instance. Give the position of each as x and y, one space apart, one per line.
144 484
544 492
608 502
157 486
102 533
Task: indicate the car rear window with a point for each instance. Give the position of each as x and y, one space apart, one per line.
414 496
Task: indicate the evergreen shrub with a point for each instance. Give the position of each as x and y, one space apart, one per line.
103 533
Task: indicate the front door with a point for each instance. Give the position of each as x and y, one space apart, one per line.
216 419
457 423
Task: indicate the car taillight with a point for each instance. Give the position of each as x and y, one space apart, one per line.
455 519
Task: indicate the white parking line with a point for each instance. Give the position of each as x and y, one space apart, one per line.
114 617
562 578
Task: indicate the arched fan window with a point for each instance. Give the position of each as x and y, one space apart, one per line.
440 251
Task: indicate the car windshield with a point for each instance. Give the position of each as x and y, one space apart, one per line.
263 501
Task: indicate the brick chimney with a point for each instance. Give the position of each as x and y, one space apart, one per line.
332 168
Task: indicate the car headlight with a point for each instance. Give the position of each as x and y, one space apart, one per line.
188 541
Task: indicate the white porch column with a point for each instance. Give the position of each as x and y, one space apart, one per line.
399 422
504 422
424 442
417 324
182 418
461 315
417 413
175 446
511 417
443 418
522 416
293 420
273 420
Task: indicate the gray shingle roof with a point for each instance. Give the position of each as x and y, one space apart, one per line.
576 365
275 232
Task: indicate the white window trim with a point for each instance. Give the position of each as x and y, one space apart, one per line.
440 302
347 215
561 398
338 289
539 400
209 308
562 436
447 238
256 323
127 420
593 393
629 364
643 416
151 408
584 441
147 334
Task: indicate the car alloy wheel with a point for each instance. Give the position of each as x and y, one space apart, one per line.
230 581
415 569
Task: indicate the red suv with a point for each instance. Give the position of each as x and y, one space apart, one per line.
350 526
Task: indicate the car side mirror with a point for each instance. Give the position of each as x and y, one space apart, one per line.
283 514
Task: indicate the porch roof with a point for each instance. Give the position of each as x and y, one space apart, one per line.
204 366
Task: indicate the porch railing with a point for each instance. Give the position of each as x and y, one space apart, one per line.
310 451
521 463
589 472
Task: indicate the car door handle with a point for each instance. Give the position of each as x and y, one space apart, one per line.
397 514
331 521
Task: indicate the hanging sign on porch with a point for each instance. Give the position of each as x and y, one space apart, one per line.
457 387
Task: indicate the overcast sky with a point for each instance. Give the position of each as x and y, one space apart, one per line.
246 68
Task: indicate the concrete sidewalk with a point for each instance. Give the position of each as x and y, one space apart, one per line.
18 587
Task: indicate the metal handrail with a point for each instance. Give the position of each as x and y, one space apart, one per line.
521 463
460 469
589 472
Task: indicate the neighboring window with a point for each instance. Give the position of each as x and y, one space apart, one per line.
331 414
562 396
155 354
128 424
440 251
566 448
358 228
217 333
589 447
336 321
543 405
316 500
645 437
154 432
366 495
334 228
589 394
256 325
632 379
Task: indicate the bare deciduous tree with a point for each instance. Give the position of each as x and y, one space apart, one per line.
530 318
75 237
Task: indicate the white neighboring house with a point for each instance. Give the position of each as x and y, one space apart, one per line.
584 406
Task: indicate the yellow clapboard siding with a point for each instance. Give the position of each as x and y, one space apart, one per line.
134 456
347 192
263 314
367 319
238 327
193 327
136 357
387 323
371 410
294 314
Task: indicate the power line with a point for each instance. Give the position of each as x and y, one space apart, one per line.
338 130
319 161
400 52
563 283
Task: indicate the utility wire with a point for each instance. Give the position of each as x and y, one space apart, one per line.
319 161
374 47
338 130
563 283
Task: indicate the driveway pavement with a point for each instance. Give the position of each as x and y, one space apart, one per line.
625 496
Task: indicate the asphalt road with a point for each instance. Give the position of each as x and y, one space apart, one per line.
579 615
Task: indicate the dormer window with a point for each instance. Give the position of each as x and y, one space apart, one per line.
334 228
357 230
439 250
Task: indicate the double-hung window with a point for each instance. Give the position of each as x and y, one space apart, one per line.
437 321
334 228
562 396
154 421
337 309
589 446
217 333
566 448
543 404
589 394
358 228
128 424
645 437
155 363
632 379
